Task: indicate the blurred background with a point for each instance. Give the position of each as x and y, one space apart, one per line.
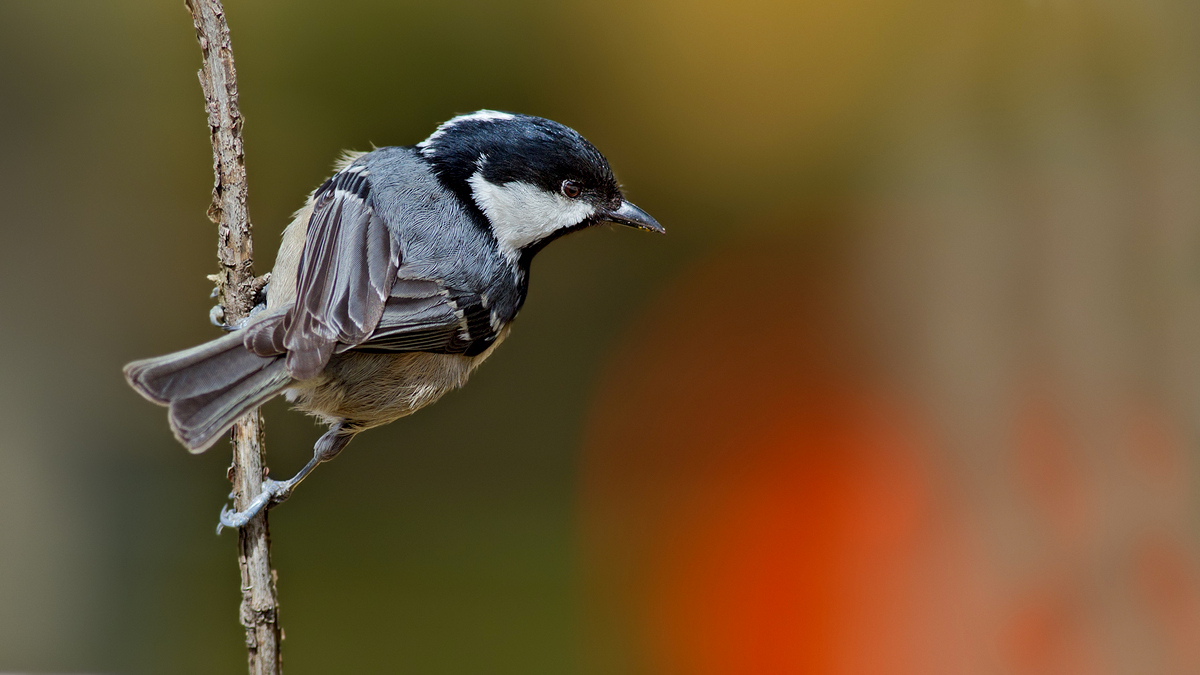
911 386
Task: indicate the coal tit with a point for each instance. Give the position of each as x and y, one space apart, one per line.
400 275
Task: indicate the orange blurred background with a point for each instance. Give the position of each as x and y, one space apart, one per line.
911 386
789 510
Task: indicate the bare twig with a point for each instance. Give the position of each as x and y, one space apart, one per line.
237 290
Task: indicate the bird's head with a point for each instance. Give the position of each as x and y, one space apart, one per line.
532 178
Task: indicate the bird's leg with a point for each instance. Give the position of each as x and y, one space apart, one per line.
274 491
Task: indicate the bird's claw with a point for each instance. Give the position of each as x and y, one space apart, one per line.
273 492
216 315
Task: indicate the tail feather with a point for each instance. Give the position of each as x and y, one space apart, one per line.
208 387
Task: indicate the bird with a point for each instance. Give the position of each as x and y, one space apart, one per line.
400 275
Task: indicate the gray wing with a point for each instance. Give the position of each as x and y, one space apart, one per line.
345 277
419 316
426 316
348 295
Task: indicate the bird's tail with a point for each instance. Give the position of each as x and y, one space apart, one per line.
208 387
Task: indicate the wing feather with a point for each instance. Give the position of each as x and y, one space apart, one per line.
346 272
349 295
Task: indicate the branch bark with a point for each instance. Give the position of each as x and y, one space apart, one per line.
237 289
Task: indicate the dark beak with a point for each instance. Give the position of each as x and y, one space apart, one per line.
628 214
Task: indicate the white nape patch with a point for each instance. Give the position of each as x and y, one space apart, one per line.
482 115
478 115
522 213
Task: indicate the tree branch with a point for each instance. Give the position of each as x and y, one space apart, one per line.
237 289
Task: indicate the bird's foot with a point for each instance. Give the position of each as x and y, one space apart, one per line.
259 288
216 316
273 492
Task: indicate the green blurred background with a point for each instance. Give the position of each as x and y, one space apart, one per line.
957 194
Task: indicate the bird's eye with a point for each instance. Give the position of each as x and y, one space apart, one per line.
571 189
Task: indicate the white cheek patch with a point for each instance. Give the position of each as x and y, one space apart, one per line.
522 213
